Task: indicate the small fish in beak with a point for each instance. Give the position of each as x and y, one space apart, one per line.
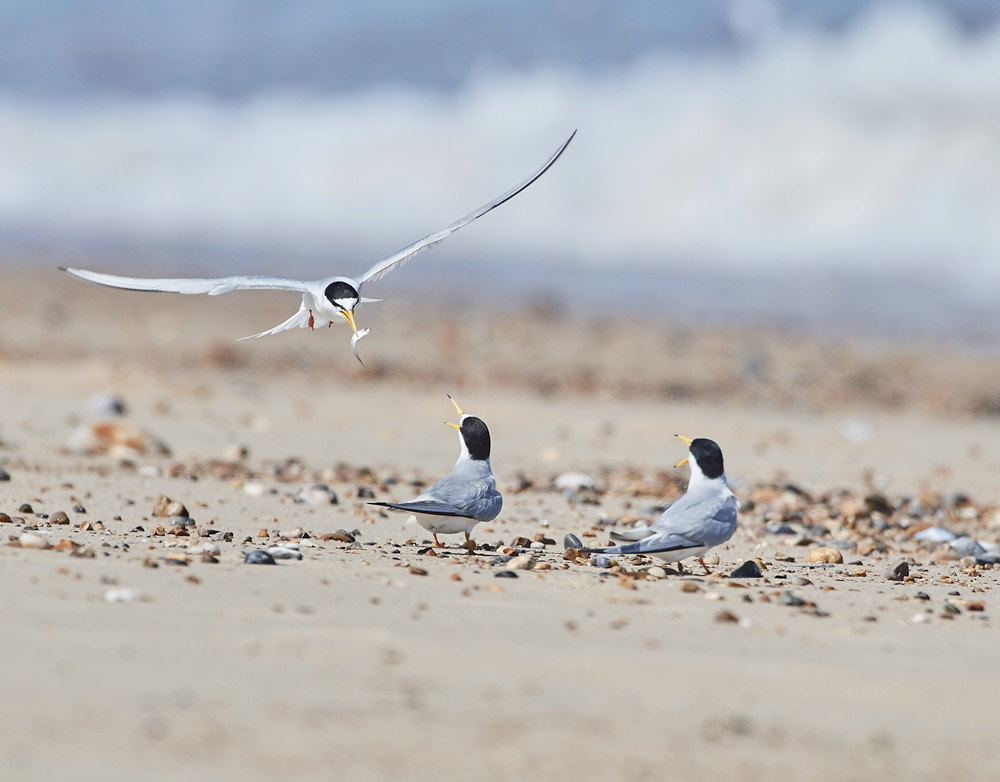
354 343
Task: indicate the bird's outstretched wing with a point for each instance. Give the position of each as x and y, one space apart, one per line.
213 287
299 320
383 267
424 506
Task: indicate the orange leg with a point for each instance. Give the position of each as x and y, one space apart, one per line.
311 321
707 571
436 541
468 543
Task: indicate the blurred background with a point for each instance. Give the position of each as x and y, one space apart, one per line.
832 165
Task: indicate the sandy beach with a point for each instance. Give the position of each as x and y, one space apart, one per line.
128 654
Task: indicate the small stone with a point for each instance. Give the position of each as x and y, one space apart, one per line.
571 541
748 569
573 554
25 508
236 453
505 574
537 545
58 518
801 582
950 608
919 619
179 532
922 596
455 577
520 542
177 558
522 562
164 506
975 605
727 617
258 557
898 573
826 554
208 559
711 559
254 488
779 557
28 540
66 545
788 599
540 537
542 566
656 572
281 552
317 494
689 586
4 475
292 534
717 596
418 571
181 521
123 595
79 509
365 493
4 518
106 404
340 536
601 560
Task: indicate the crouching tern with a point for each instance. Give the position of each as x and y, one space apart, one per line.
325 301
464 497
704 517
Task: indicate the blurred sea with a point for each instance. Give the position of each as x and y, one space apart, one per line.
827 164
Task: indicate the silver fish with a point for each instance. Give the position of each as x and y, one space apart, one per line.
354 343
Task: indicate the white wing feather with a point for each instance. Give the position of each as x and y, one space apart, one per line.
299 320
213 287
385 266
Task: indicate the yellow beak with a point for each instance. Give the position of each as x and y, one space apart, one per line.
687 441
349 315
456 427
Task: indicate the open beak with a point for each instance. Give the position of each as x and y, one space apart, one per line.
687 441
349 315
456 427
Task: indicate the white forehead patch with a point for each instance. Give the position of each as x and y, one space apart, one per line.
346 304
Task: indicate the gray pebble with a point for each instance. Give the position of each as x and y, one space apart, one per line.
180 521
572 541
898 573
79 509
967 547
505 574
788 599
748 569
4 475
988 559
600 560
842 545
501 559
281 552
258 557
106 404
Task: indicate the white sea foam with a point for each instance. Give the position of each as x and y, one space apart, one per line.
877 147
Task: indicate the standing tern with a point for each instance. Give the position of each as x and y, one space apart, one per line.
464 497
704 517
324 301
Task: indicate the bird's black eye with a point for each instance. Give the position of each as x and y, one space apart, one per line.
477 438
708 454
341 291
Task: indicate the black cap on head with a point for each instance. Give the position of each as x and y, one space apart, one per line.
339 291
708 454
477 438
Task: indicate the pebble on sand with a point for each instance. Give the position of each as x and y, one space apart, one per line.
826 554
748 569
258 557
123 595
522 562
164 506
59 517
27 540
898 573
727 617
